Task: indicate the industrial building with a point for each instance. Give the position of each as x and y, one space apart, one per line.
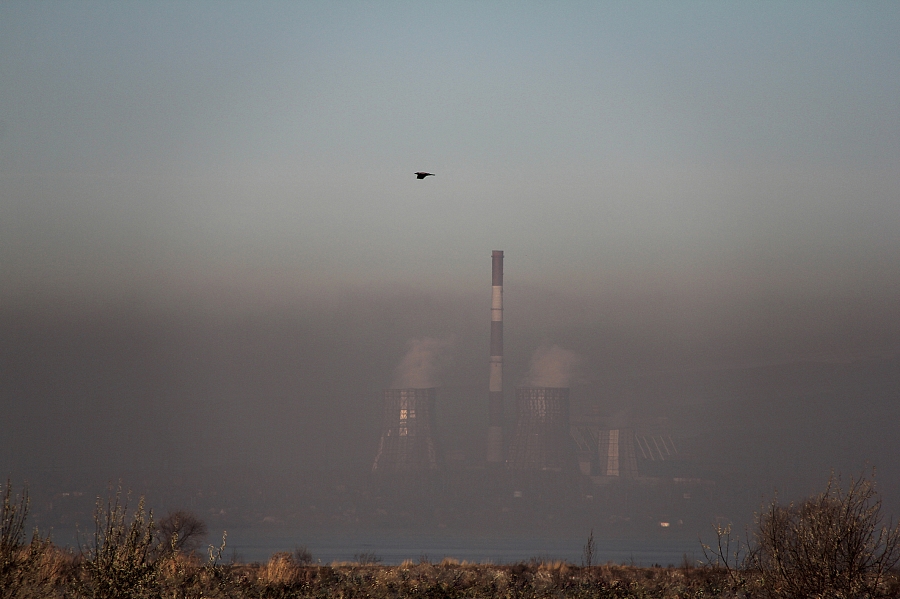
408 441
542 439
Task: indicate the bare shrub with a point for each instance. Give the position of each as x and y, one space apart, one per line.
25 570
730 554
834 544
302 556
587 553
367 558
13 513
118 561
181 531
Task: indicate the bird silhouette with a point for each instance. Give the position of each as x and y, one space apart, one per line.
421 175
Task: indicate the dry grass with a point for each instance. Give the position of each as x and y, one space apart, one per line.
60 573
280 570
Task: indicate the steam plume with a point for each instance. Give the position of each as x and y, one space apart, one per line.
552 366
422 363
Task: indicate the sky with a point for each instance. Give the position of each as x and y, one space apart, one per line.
235 143
213 204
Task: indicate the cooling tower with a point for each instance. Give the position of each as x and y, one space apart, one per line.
495 399
541 438
407 433
616 453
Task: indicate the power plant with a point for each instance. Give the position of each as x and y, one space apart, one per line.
407 432
541 439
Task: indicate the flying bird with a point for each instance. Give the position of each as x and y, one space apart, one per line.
421 175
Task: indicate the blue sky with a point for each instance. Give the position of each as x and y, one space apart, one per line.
175 145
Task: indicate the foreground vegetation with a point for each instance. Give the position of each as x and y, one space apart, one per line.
831 545
62 574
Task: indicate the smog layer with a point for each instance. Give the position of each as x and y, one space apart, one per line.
215 256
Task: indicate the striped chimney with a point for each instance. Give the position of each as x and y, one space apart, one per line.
495 419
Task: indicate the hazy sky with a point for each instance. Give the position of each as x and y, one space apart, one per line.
271 146
675 185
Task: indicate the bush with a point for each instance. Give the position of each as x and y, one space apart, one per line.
181 531
119 561
834 544
302 556
281 569
367 558
12 537
587 553
25 570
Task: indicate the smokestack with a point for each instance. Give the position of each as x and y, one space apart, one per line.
495 400
541 439
407 432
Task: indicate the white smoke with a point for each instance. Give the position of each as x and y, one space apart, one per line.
552 366
420 367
